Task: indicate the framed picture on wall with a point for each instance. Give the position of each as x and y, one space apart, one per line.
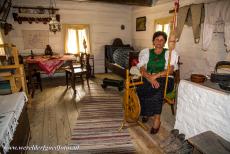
141 24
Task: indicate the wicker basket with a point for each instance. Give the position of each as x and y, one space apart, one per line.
198 78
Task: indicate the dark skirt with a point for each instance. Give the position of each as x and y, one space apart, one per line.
151 99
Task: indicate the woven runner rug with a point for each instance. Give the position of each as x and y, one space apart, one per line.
96 129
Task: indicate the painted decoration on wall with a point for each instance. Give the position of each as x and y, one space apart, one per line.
35 39
141 24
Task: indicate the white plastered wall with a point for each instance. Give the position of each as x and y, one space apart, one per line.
105 22
194 59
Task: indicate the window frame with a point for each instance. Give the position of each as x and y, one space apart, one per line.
163 21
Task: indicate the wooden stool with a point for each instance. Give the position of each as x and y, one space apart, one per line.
209 143
111 82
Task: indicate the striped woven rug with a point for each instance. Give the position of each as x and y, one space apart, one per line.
96 130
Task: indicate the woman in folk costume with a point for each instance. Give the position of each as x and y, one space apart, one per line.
153 67
156 65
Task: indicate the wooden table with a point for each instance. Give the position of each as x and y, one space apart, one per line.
210 143
49 64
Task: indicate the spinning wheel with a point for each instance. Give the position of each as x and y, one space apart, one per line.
131 102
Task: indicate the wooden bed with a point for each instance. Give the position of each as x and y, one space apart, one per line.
14 125
22 133
118 57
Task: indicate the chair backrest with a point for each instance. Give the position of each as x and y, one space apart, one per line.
176 73
171 96
84 60
11 55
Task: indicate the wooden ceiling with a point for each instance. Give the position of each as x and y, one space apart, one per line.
129 2
125 2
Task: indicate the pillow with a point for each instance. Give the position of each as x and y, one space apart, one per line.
121 56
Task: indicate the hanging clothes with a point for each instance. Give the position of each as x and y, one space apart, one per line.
217 17
191 12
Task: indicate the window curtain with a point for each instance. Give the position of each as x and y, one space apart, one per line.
74 39
2 51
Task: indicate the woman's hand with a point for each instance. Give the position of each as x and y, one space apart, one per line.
155 84
152 78
144 73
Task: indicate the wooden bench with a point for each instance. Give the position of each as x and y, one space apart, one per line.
209 143
17 79
14 123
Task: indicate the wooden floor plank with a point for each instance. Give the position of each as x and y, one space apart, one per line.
36 118
62 121
50 126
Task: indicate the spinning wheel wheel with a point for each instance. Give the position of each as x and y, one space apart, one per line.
132 111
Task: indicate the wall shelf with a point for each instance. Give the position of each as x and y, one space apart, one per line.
35 14
36 10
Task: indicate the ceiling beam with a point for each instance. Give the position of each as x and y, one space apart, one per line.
125 2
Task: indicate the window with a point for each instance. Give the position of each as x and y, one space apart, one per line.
77 38
163 24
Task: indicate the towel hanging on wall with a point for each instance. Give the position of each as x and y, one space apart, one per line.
195 11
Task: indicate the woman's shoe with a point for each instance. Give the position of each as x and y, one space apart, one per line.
145 119
154 130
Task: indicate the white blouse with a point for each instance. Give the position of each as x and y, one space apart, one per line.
144 58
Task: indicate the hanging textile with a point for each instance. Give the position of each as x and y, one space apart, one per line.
216 14
191 12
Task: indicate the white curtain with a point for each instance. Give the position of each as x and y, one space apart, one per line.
159 27
2 51
74 40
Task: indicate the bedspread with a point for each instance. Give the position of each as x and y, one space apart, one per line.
10 110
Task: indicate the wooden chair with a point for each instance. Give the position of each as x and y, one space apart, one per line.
171 96
33 80
13 73
78 69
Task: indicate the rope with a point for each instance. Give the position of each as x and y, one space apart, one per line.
171 43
